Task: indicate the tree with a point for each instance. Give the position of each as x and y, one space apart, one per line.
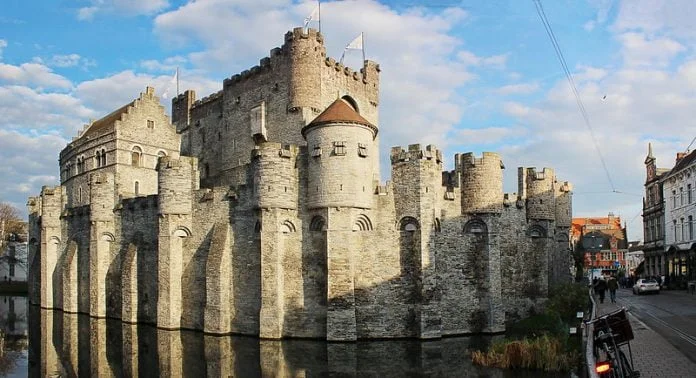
11 225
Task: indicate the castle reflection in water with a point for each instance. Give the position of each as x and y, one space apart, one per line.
69 345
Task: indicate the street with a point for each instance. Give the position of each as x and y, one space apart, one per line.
672 314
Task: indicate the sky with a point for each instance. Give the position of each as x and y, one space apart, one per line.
465 75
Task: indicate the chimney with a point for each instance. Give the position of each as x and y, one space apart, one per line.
680 155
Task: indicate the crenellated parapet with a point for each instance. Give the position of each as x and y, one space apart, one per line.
481 182
275 176
415 152
539 186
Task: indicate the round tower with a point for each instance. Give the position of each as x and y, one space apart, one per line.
540 194
481 182
275 175
342 150
306 53
101 187
175 182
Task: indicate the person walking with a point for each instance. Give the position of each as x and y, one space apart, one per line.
601 288
612 285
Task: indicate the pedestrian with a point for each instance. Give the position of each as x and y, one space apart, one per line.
594 285
612 285
600 288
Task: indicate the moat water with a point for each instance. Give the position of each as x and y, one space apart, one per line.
54 343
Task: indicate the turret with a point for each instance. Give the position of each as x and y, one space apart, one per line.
342 154
101 187
306 50
275 175
177 178
540 194
481 182
181 109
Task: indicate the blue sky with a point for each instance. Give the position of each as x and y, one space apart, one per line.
465 75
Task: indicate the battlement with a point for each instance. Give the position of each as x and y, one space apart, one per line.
207 99
565 187
300 33
470 159
545 174
415 152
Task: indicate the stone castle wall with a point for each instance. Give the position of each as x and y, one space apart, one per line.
265 231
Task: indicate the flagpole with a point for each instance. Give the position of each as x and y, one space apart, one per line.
363 46
319 5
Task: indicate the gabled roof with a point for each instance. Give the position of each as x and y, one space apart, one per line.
107 122
683 163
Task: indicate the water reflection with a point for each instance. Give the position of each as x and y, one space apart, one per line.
70 345
13 336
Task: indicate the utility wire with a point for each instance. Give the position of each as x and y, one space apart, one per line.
569 77
692 142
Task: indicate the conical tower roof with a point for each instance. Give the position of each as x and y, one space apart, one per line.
340 111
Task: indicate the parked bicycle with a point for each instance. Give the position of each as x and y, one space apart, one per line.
611 331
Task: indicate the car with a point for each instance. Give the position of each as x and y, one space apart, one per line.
646 285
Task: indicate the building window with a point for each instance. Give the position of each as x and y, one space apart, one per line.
362 150
682 234
136 188
150 124
674 199
339 148
136 157
316 151
79 195
691 227
674 223
97 159
103 157
681 196
689 196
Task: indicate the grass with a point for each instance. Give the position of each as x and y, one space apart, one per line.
546 353
542 341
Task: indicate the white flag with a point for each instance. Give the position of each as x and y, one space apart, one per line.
169 85
314 16
357 43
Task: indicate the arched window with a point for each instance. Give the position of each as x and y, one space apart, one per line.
408 224
362 223
97 159
353 104
160 154
103 157
536 231
287 227
136 188
317 224
136 156
475 226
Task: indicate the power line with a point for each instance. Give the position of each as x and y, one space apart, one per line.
569 77
692 142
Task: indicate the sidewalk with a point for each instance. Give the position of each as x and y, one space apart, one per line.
653 356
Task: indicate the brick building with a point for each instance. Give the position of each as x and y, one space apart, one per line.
602 241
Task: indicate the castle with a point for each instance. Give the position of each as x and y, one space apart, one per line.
258 210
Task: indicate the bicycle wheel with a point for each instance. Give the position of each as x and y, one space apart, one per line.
627 368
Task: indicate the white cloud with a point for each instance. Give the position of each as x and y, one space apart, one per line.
35 74
640 50
68 60
651 16
3 44
168 64
86 13
471 59
125 7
